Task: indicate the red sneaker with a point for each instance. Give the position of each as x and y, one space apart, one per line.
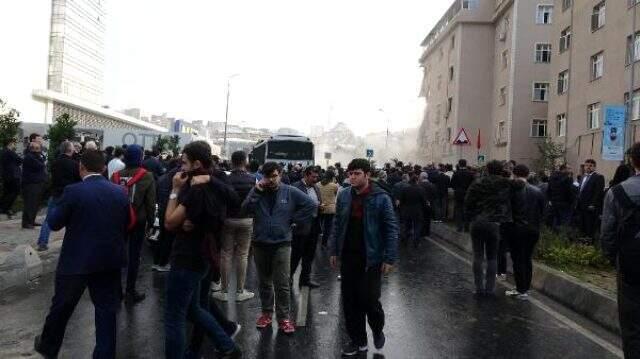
264 320
286 326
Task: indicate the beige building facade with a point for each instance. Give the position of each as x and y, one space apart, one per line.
487 71
591 69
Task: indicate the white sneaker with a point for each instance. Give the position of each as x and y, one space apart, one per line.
155 268
512 293
244 295
221 296
216 286
235 333
164 268
501 277
523 296
339 277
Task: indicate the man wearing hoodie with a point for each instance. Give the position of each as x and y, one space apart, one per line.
275 207
365 242
489 204
142 196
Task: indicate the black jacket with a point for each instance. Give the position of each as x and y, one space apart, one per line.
493 199
533 203
10 164
593 193
154 166
33 169
305 228
413 202
242 182
460 182
560 189
64 171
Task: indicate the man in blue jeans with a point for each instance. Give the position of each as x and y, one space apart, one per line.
64 171
194 214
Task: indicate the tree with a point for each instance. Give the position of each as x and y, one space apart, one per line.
63 129
550 154
168 143
9 123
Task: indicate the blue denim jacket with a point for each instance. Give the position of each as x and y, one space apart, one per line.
380 226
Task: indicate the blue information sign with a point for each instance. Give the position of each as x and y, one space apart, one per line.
613 136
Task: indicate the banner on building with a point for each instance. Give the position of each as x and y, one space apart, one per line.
613 135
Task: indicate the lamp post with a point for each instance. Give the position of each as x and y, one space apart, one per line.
386 144
226 114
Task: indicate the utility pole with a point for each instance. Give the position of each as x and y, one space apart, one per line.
226 115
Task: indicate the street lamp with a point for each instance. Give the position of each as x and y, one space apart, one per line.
386 145
226 114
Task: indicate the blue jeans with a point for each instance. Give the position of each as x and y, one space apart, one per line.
183 300
45 231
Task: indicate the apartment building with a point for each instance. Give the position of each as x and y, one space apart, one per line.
487 70
591 66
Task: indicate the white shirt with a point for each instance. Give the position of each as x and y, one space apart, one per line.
585 179
114 166
91 175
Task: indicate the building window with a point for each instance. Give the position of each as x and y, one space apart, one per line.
633 48
501 135
441 53
439 82
561 125
538 128
505 59
593 116
543 53
448 134
541 91
565 39
598 16
635 109
451 73
453 42
449 106
544 14
502 99
566 4
563 82
502 34
438 112
597 66
469 4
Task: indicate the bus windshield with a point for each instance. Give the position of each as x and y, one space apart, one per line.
290 150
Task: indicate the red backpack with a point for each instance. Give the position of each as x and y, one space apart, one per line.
128 183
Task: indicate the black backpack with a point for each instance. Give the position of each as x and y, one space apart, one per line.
629 237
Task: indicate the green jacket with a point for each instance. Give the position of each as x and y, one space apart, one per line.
144 195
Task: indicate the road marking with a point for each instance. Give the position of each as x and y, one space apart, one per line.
563 319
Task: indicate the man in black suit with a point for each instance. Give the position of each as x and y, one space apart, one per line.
305 235
460 182
590 198
34 178
95 214
10 164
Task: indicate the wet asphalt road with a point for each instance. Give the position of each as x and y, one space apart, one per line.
430 313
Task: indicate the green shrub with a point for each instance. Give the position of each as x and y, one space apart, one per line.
559 249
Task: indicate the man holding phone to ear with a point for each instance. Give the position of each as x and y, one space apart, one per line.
365 241
276 207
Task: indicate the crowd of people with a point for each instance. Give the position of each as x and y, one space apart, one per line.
202 215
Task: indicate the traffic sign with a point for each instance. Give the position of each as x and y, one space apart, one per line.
327 155
462 138
369 153
480 160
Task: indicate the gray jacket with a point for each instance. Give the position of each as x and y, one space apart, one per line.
612 212
273 225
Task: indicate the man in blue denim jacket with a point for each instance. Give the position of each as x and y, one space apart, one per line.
365 239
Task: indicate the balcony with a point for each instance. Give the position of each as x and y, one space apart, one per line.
441 26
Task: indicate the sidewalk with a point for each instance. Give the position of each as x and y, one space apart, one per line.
19 261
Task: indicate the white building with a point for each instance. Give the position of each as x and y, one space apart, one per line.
53 63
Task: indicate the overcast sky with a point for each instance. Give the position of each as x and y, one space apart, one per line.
300 63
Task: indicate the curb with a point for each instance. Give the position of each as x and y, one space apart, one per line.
583 298
24 264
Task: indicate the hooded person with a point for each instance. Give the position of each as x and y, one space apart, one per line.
140 187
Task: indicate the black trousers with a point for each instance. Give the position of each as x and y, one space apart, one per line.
104 289
32 196
198 333
589 222
303 248
10 190
361 288
458 213
326 222
629 312
135 239
522 246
